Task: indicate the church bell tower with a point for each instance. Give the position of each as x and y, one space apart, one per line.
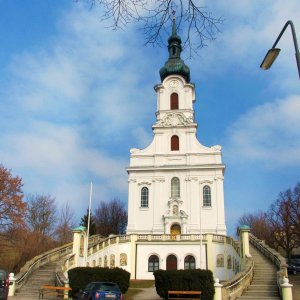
176 183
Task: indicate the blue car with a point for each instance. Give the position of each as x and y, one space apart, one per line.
100 291
4 285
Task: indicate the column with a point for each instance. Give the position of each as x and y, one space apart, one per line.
12 284
244 241
209 254
286 289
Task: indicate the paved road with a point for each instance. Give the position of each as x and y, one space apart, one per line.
150 293
295 281
147 294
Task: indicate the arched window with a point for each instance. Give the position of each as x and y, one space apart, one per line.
144 197
189 262
175 187
206 196
153 263
174 143
174 101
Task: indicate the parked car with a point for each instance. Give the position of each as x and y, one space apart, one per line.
293 266
100 290
4 285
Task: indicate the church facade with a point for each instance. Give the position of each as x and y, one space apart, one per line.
176 217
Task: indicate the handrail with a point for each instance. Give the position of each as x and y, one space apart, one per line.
273 255
238 280
234 288
42 259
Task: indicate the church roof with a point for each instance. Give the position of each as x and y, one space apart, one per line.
174 65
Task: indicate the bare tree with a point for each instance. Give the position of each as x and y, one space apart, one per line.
41 213
12 207
66 222
198 24
22 246
282 223
111 217
296 210
259 226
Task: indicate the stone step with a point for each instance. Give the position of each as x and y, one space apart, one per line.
257 298
263 277
261 293
264 287
44 275
261 280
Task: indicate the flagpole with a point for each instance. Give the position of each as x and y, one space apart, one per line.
88 225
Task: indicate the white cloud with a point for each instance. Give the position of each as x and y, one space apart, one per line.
143 137
74 99
250 28
268 133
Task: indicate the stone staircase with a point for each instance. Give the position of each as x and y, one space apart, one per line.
263 285
45 275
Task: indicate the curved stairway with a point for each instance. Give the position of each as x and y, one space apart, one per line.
264 283
45 275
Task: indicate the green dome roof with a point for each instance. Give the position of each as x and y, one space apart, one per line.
174 65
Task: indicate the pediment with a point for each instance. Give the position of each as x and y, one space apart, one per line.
175 119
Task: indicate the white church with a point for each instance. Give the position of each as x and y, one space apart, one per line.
176 217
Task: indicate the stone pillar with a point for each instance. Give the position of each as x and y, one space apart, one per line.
12 284
244 241
133 239
218 289
209 254
79 242
286 289
219 186
131 205
66 293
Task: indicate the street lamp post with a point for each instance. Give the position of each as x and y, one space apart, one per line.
274 52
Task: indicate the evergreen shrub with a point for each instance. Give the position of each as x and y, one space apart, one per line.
81 276
185 280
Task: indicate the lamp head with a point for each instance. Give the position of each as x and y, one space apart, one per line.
270 58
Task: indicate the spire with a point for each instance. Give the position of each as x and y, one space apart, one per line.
174 65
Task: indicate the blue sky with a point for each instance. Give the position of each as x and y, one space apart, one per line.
75 97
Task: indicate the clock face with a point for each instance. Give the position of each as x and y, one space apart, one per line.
174 83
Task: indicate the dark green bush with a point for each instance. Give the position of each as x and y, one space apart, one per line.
81 276
185 280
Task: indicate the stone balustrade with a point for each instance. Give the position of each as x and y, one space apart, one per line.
233 288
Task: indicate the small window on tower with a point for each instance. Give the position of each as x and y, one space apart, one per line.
174 50
174 143
206 196
174 101
175 187
144 197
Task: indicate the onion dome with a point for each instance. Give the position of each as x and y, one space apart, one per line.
174 65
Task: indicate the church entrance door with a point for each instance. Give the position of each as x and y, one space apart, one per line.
171 262
175 229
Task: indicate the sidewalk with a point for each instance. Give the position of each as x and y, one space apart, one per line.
147 294
295 281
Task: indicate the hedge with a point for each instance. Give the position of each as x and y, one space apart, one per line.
185 280
81 276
